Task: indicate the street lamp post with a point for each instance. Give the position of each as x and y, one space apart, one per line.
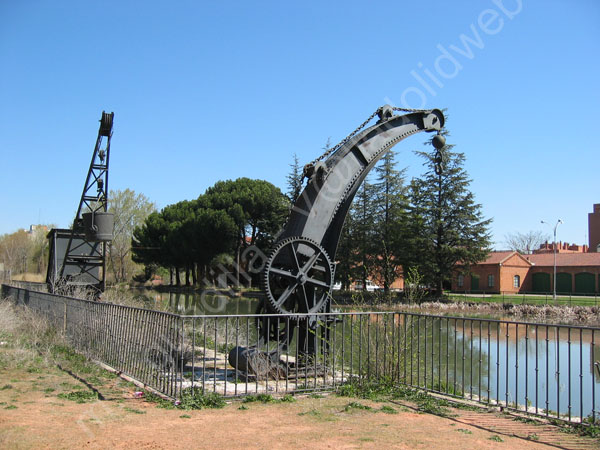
558 222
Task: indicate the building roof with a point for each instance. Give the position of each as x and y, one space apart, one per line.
499 257
565 259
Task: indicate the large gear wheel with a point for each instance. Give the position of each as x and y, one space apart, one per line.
298 277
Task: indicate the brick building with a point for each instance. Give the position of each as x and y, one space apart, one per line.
577 268
500 272
512 272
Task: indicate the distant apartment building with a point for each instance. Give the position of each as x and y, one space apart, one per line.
594 229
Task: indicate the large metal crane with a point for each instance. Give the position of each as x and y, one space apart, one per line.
299 273
78 255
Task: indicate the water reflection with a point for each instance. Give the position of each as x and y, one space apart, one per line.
193 303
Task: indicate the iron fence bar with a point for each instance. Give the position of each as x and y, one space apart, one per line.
193 386
507 365
215 346
455 354
360 372
463 360
418 351
447 356
343 356
479 369
547 373
517 367
471 360
557 344
204 356
297 344
440 355
581 374
592 378
425 353
368 347
537 370
526 367
489 367
569 372
226 353
182 356
247 345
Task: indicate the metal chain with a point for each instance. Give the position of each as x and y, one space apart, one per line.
343 141
396 108
360 127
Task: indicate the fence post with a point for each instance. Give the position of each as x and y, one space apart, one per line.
65 317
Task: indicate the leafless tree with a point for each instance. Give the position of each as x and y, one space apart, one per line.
525 243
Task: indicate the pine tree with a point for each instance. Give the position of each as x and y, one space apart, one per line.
390 202
446 225
362 234
344 255
294 180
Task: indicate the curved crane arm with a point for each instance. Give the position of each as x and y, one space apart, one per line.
321 208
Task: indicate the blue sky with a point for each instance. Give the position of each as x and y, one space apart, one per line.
205 91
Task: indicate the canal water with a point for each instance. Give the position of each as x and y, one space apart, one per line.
546 367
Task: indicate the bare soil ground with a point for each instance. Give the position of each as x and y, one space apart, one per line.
39 409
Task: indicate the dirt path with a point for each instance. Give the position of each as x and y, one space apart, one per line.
35 414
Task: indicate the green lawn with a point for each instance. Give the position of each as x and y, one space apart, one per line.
529 299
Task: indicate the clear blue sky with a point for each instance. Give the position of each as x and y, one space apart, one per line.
205 91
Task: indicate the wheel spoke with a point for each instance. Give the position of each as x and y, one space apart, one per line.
317 283
286 293
305 297
282 272
311 262
295 255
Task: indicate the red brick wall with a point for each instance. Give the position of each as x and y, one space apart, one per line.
507 274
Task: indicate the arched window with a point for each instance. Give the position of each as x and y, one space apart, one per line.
461 280
516 281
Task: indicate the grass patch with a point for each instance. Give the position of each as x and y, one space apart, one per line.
5 387
190 399
464 431
496 438
79 396
10 407
262 398
134 411
388 410
287 398
356 406
185 416
319 415
388 391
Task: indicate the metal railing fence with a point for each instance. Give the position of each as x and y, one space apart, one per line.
542 369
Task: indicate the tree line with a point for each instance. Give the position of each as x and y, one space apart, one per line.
192 236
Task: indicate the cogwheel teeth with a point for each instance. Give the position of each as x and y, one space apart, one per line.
295 281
